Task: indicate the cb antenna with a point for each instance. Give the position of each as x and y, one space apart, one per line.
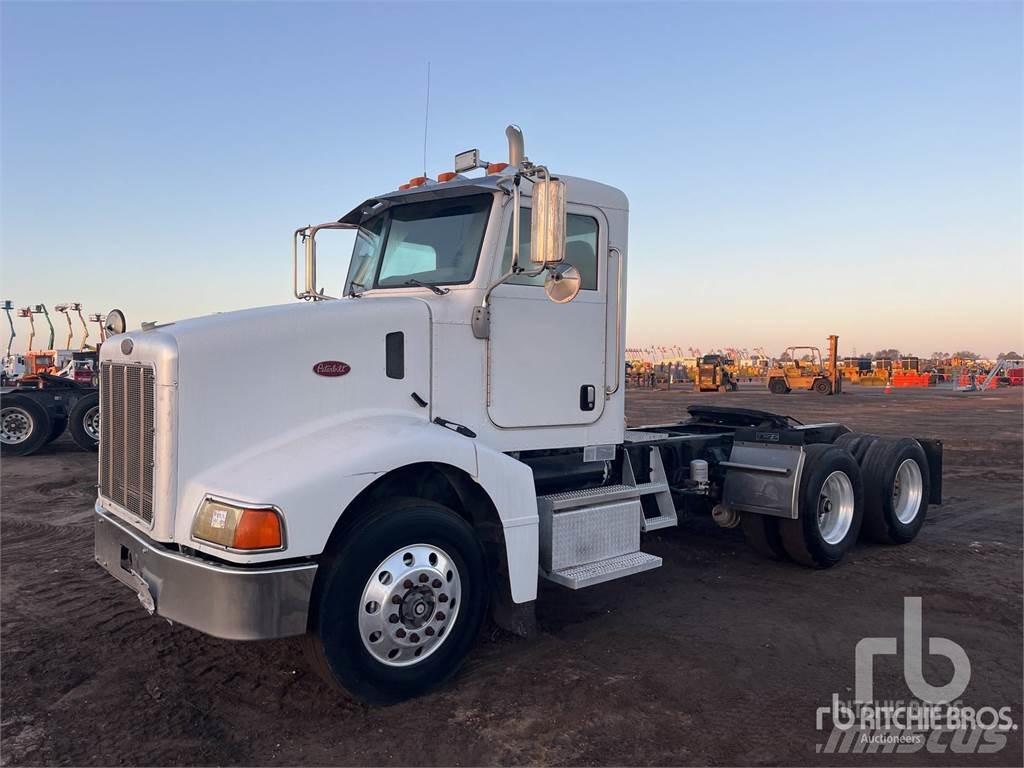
426 119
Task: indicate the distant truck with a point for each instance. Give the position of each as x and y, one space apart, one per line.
445 434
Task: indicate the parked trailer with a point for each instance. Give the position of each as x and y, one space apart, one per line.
449 432
36 414
39 405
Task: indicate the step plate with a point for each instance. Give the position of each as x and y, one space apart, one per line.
645 489
587 498
654 523
581 576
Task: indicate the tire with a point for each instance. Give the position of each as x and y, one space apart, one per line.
350 581
84 422
856 443
896 490
57 427
830 475
778 387
823 387
762 533
24 426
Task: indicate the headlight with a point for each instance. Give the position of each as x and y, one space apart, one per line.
236 527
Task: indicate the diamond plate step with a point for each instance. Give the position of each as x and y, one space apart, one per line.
646 488
588 497
654 523
582 576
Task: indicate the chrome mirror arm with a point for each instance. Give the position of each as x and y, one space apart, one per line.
308 235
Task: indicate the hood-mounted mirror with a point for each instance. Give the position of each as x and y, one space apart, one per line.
115 322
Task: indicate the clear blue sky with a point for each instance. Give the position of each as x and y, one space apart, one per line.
793 169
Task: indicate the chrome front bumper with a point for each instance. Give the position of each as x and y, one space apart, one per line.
232 602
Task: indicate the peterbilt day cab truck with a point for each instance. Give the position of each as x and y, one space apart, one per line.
443 435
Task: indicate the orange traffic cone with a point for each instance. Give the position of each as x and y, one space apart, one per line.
888 387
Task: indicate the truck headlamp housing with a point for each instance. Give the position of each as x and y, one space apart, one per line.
234 526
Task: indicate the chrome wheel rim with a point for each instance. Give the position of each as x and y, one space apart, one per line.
907 490
91 422
409 604
16 425
835 507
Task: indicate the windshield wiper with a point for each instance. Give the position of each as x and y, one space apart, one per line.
352 289
434 288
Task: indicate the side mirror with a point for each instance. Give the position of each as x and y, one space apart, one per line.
562 283
547 233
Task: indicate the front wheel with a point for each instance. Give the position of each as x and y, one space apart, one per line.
823 387
400 603
778 387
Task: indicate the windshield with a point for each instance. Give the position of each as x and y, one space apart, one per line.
434 243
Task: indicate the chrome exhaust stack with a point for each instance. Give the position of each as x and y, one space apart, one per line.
516 148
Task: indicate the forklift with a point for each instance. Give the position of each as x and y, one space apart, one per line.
812 374
711 375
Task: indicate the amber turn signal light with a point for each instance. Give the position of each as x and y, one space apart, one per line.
233 527
258 529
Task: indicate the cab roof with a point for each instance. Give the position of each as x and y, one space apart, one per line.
582 191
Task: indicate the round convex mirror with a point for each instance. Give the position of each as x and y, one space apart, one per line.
115 322
562 283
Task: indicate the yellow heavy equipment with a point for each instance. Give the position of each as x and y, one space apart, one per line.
812 373
712 375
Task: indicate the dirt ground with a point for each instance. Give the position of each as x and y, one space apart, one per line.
718 657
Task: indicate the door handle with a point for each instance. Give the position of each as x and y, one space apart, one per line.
588 397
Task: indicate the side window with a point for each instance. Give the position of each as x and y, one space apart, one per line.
365 252
580 249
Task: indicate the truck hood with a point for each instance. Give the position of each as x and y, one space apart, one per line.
239 382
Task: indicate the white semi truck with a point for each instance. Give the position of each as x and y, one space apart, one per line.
442 436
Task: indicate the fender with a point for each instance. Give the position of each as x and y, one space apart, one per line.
313 477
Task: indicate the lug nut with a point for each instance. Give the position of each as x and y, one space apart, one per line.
429 631
393 618
407 583
424 578
396 600
414 637
439 616
442 599
400 632
436 583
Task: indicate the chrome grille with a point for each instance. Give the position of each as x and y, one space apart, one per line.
127 394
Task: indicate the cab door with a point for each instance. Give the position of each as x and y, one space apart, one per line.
546 361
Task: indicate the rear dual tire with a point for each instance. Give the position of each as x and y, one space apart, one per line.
25 426
831 508
84 422
896 485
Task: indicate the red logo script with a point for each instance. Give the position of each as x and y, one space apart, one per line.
331 368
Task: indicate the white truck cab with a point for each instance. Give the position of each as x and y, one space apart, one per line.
438 435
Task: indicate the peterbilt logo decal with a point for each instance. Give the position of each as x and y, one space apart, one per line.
331 368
